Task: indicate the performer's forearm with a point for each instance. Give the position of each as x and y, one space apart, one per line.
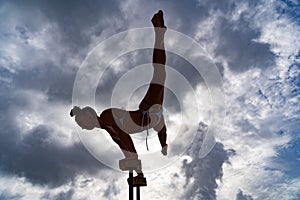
127 142
162 135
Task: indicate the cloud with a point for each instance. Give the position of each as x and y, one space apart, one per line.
255 45
61 196
256 97
73 19
43 162
112 190
34 149
202 174
45 43
251 131
238 46
6 195
241 196
228 34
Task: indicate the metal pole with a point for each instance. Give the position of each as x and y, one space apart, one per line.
130 184
138 193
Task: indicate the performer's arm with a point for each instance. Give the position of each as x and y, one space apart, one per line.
123 140
162 135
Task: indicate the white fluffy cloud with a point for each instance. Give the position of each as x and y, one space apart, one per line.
261 103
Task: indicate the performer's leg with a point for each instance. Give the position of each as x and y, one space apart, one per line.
159 54
155 93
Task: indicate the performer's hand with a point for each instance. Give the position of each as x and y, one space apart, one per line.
164 150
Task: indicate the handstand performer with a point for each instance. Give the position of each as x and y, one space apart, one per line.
120 123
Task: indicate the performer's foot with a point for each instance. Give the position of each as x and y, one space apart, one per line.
158 20
164 150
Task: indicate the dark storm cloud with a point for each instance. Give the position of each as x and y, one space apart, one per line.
42 162
35 156
241 196
76 24
204 171
184 14
236 40
74 18
52 80
237 44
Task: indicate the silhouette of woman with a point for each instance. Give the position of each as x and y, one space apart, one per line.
120 123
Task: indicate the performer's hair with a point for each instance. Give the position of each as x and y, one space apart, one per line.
76 111
90 110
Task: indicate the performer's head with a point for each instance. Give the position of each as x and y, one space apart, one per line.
86 118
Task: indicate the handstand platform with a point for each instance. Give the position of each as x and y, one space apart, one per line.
130 165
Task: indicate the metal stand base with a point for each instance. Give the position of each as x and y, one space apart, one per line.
130 165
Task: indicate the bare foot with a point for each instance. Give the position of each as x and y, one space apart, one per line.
158 19
158 22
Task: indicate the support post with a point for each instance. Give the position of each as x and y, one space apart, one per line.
138 195
130 184
130 165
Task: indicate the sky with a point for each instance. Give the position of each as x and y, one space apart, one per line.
253 44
